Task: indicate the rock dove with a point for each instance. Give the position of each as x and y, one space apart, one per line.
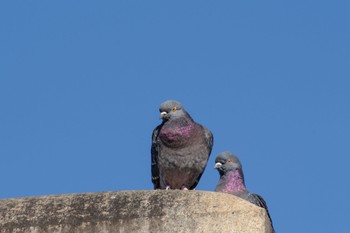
180 149
232 180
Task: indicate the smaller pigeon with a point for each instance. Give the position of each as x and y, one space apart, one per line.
232 180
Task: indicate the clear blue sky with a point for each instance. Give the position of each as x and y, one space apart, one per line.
81 83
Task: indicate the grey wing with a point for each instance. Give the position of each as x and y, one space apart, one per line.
259 201
209 139
154 160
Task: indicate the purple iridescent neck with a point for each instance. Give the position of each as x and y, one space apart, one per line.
177 133
232 182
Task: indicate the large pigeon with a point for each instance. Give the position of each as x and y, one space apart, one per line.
232 180
180 149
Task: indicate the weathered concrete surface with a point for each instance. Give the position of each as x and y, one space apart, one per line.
133 211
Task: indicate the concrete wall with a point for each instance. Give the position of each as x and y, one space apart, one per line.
132 211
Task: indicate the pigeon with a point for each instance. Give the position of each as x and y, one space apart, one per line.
180 149
232 180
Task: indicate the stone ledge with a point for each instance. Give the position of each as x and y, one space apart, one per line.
132 211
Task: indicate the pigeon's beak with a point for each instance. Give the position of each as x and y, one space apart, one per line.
217 165
163 114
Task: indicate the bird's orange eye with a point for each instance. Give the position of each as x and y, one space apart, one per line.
229 161
173 109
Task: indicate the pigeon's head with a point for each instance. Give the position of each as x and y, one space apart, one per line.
171 109
226 162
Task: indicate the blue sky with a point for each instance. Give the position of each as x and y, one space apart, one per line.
81 83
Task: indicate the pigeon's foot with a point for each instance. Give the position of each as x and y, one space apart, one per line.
184 188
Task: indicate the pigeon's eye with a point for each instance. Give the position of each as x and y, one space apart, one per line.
229 161
173 109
